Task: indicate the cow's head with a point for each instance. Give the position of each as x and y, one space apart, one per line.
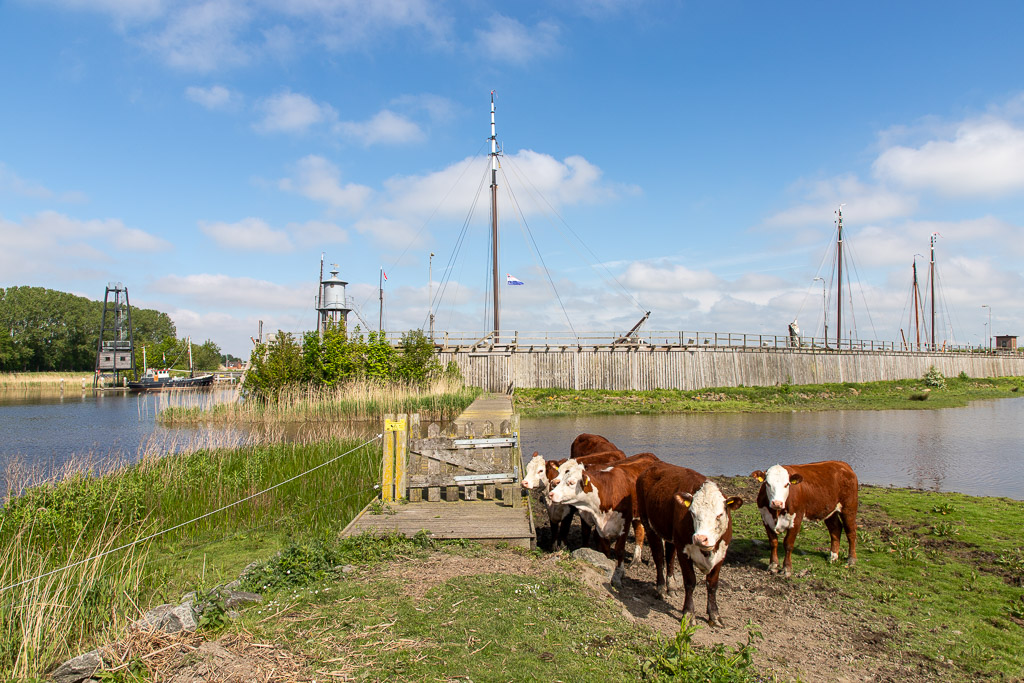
777 481
711 512
535 472
573 482
563 467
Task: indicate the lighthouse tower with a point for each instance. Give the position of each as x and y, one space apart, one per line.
333 305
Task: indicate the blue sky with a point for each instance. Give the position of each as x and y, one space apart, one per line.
207 152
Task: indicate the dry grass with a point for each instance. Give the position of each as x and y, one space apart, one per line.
440 400
43 383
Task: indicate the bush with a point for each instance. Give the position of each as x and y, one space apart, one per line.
681 660
934 378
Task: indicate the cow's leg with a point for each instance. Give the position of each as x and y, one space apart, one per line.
563 528
689 583
850 527
835 529
638 535
789 542
712 584
585 530
671 580
661 584
773 543
605 546
620 556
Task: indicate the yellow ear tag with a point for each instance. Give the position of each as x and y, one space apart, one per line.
686 502
759 478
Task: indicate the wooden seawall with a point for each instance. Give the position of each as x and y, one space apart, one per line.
694 367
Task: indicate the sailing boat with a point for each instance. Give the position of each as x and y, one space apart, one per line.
157 379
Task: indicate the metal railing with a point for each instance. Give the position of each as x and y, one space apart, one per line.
520 341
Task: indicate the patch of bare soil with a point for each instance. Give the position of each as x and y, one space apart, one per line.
806 633
418 577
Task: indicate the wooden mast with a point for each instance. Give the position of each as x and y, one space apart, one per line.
839 282
494 223
917 320
931 276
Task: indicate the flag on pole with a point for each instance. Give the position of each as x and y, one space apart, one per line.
509 279
384 274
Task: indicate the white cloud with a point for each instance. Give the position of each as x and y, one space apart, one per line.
210 289
320 180
384 127
508 40
645 276
11 182
316 233
389 231
289 112
134 10
214 97
864 203
985 157
203 36
251 234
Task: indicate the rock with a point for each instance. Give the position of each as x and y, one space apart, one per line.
595 559
238 598
348 569
169 619
78 669
238 582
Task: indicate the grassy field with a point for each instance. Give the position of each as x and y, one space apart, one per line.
897 395
940 574
441 400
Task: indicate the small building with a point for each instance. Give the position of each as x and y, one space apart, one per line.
1007 342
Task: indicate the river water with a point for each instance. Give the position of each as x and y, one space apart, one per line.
974 450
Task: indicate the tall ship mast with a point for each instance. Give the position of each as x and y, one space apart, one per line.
494 224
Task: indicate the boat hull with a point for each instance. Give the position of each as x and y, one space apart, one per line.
162 384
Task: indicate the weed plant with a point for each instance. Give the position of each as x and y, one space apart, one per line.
54 525
680 660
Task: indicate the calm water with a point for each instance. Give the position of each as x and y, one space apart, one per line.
975 450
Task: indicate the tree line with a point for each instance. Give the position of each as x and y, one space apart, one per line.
47 330
338 357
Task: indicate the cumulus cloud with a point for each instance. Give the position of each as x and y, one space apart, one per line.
316 233
12 183
320 180
215 289
507 40
984 158
384 127
203 36
864 203
665 277
214 97
289 112
251 234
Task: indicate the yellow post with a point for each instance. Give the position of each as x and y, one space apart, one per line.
395 439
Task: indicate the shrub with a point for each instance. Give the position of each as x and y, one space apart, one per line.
680 659
934 378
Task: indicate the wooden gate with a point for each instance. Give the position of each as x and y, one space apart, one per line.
468 461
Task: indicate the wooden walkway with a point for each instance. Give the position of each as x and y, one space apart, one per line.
469 510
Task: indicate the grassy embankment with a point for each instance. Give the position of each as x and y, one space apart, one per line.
355 401
39 383
896 395
939 574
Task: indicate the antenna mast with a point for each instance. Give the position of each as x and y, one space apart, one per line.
494 221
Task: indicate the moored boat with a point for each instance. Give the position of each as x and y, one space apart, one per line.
155 380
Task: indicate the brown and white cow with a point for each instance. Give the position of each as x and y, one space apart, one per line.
685 514
606 496
820 490
586 444
539 475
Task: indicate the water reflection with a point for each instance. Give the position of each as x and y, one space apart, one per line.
974 450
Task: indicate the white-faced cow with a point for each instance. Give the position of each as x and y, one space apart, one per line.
539 475
821 490
685 514
607 496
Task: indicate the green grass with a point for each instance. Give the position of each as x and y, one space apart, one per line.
897 395
54 525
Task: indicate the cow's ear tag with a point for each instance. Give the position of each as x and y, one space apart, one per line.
586 480
686 502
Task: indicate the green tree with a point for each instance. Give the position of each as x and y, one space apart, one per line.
274 366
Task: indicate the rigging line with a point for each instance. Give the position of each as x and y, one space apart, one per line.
817 273
867 309
437 208
536 250
191 521
945 305
596 261
449 268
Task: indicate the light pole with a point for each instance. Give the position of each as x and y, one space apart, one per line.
989 335
824 307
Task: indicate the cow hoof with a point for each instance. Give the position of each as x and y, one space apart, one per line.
832 557
789 573
715 620
773 568
851 562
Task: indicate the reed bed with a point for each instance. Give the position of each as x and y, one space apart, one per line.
43 383
441 400
51 525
